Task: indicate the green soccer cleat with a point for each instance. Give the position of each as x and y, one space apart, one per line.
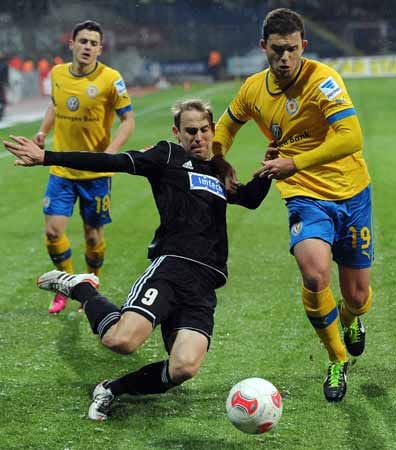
355 337
335 383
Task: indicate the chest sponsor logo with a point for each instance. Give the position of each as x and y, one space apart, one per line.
276 131
206 183
330 88
72 103
120 86
92 91
291 106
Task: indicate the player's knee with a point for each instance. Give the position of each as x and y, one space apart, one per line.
119 344
357 297
184 370
316 280
92 241
52 233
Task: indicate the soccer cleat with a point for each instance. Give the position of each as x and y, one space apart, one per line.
63 282
355 337
335 383
102 400
58 303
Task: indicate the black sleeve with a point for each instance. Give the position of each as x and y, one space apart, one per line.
95 162
135 162
250 195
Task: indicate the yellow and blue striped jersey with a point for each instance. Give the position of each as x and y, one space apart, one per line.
301 118
85 108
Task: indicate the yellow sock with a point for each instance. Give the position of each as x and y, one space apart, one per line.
322 312
94 257
60 252
348 314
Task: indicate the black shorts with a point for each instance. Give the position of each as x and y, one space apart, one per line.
178 294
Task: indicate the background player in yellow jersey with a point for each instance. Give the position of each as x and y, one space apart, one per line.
303 108
86 96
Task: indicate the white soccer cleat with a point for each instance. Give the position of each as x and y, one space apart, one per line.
102 400
57 281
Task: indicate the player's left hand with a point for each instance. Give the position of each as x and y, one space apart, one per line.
278 168
27 152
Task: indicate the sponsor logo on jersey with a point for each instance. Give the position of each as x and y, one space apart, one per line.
276 131
293 139
92 91
120 86
206 183
296 228
330 88
291 106
72 103
188 165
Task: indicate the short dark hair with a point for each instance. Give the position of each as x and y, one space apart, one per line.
90 25
282 21
191 105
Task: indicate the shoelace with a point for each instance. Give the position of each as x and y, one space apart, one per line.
335 374
354 332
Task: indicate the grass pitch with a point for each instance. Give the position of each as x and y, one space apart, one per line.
50 364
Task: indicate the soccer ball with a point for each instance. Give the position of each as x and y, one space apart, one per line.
254 405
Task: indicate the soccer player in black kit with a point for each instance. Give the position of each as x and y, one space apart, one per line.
188 253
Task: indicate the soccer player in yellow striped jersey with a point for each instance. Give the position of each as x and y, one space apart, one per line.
86 97
315 154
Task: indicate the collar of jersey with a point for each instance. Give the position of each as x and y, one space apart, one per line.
83 74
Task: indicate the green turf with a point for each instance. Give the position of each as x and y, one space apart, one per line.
49 365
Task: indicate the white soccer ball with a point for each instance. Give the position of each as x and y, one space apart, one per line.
254 405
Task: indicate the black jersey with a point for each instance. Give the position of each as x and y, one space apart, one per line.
190 198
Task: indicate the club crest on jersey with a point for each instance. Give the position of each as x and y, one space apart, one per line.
296 228
206 183
120 86
330 88
73 103
92 91
291 106
276 131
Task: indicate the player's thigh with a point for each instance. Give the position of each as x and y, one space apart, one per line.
313 257
55 226
187 354
95 201
129 333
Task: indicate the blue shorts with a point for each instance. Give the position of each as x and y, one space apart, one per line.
346 225
94 197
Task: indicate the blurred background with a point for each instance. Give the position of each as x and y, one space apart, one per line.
162 42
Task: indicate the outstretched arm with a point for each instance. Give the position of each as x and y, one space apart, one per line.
30 154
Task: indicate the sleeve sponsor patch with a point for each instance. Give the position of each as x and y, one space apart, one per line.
330 88
120 86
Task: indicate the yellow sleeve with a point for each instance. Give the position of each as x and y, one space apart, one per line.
226 129
346 139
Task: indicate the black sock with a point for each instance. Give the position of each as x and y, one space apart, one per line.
100 313
151 379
